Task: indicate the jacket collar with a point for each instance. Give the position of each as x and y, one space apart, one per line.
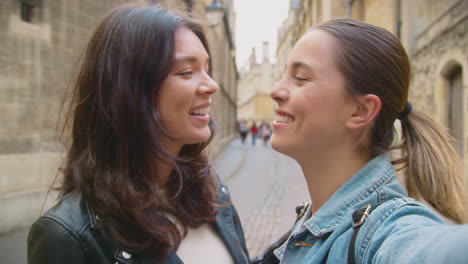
92 216
225 226
351 195
120 255
227 233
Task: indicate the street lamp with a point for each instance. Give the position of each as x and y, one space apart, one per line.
214 13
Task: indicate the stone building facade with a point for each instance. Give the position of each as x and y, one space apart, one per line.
438 44
434 34
41 43
254 102
221 39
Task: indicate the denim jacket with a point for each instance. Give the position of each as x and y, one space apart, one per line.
399 230
70 233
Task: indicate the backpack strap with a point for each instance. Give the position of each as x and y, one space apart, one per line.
359 218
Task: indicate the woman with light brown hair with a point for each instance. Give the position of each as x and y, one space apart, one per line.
345 84
137 186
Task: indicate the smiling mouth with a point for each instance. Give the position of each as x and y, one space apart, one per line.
203 111
283 118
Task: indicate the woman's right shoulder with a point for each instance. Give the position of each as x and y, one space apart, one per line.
55 236
70 211
67 219
398 212
409 227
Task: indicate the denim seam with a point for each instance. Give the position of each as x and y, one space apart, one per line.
389 173
381 192
393 205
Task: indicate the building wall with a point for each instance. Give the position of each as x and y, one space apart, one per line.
37 60
417 16
254 102
380 13
221 40
303 14
439 49
285 42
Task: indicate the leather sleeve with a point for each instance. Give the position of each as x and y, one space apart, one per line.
49 242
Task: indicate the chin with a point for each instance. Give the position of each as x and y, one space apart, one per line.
281 146
200 138
276 143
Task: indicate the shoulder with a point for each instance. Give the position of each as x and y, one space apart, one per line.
399 209
392 224
56 234
70 212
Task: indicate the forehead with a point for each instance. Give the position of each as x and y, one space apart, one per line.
187 43
315 48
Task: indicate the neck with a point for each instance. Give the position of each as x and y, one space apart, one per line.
326 172
164 170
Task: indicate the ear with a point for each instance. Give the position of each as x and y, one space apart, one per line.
366 109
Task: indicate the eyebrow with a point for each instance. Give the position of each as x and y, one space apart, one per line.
300 64
190 59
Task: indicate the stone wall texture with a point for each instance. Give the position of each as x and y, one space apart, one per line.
37 60
431 66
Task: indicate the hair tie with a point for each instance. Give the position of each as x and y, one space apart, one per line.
404 114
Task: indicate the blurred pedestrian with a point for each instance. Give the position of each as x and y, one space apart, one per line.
137 186
254 132
346 82
243 130
266 133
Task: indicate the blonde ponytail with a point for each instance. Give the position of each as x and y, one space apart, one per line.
433 170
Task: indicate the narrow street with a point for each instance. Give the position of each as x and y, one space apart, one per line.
265 187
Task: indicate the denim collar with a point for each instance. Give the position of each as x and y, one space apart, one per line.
350 195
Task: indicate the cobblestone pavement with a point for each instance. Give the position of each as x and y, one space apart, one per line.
265 187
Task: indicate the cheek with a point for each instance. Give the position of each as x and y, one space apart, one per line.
170 112
175 101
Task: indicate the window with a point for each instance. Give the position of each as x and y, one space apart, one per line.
26 12
455 107
27 8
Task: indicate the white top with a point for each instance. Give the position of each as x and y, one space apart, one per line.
203 245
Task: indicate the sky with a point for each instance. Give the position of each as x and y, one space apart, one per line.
258 21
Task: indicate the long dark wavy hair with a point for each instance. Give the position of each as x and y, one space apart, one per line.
116 132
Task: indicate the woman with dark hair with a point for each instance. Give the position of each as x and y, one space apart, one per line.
345 84
137 185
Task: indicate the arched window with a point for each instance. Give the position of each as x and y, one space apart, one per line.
455 106
27 8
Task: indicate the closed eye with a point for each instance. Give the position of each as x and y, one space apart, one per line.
300 78
185 73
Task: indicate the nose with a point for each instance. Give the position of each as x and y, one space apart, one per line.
279 93
208 86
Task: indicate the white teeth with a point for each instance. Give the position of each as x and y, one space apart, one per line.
283 119
201 111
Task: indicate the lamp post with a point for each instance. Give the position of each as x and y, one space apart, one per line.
214 13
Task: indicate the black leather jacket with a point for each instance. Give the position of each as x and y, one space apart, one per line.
69 233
